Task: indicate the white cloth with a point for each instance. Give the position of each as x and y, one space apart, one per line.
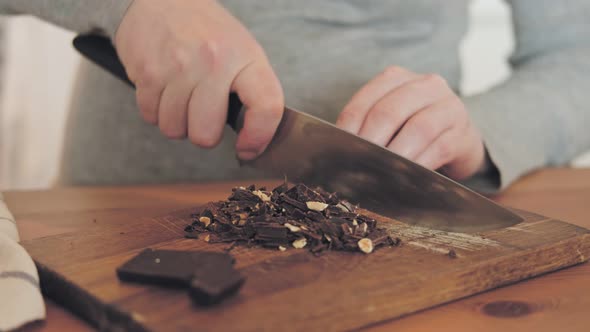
21 301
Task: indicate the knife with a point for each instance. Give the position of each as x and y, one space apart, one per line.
309 150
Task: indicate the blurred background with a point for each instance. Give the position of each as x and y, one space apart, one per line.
40 64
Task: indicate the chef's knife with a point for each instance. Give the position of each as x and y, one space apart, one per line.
309 150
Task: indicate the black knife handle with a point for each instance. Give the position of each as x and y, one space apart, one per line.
100 50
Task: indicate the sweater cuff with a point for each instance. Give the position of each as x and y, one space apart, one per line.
509 158
82 16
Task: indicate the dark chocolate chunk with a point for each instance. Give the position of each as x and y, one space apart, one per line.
452 254
215 283
210 276
271 233
243 195
170 268
293 202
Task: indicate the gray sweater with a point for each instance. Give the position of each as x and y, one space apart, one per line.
323 51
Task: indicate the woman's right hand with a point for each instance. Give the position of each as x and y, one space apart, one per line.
185 57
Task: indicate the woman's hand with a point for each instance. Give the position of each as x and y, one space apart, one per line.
184 58
418 117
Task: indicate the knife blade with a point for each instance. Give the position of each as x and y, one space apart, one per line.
310 150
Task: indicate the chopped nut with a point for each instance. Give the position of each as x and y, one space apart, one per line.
328 237
363 227
243 215
205 221
263 197
316 206
342 207
281 248
365 245
300 243
292 228
207 238
354 222
242 222
304 228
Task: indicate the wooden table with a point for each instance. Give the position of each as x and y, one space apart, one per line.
558 301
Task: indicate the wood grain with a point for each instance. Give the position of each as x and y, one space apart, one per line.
88 232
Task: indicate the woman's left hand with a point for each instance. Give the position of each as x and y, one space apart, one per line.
418 117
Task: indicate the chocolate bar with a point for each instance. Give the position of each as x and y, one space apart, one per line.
210 276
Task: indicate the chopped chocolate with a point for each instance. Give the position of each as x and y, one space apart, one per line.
289 217
452 254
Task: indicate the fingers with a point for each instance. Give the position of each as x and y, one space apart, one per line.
261 93
439 152
390 113
354 113
454 155
208 111
424 128
467 152
172 112
148 101
184 57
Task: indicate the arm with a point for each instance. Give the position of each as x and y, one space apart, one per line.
540 116
79 15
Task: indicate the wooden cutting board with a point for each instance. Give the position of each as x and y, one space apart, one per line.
291 290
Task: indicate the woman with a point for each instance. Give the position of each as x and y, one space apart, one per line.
370 59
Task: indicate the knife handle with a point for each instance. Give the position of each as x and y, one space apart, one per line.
101 51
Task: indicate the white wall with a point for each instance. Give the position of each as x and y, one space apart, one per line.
40 68
37 80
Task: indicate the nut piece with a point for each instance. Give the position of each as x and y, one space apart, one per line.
207 238
316 206
292 228
263 197
205 221
365 245
299 243
363 227
281 248
354 222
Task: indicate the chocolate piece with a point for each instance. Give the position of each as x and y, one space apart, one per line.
215 282
210 276
452 254
271 232
162 267
169 267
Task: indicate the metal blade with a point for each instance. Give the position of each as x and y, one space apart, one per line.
309 150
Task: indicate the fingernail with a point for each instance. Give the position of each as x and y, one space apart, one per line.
247 155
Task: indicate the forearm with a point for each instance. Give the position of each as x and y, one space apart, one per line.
78 15
539 117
